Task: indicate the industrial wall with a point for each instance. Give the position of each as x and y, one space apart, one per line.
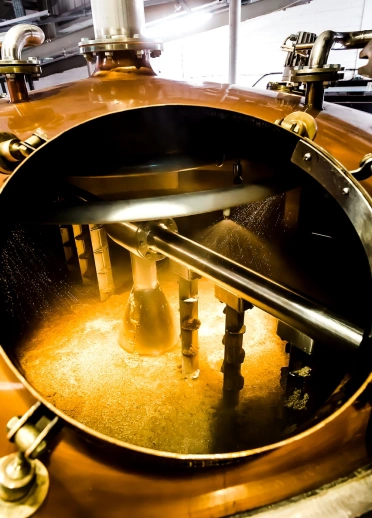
205 56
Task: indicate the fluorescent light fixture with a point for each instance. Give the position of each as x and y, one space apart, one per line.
176 25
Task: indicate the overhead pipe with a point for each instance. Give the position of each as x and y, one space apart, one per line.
18 37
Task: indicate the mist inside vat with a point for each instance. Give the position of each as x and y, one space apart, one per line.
148 326
28 281
245 234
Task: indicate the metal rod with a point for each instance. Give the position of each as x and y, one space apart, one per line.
235 9
234 354
172 206
308 316
314 95
189 323
296 310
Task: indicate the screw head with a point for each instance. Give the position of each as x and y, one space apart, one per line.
307 157
346 191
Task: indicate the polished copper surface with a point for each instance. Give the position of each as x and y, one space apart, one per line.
84 481
58 109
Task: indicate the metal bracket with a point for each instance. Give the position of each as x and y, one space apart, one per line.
364 170
301 123
13 150
295 337
143 248
24 480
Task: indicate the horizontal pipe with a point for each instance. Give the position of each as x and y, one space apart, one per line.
345 40
307 316
171 206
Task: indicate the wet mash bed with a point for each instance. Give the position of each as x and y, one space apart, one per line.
75 361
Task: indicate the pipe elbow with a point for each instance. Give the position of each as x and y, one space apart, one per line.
18 37
321 48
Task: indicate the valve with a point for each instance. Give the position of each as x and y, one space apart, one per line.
24 480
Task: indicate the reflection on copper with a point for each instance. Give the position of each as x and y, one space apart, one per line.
7 385
78 102
122 65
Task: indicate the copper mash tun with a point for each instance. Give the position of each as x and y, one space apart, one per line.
185 285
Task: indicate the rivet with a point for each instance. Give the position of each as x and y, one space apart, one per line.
346 191
307 157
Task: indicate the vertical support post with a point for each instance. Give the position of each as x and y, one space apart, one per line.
85 253
235 10
189 319
235 309
102 261
189 306
68 244
17 88
233 381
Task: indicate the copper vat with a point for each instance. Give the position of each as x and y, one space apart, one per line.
96 475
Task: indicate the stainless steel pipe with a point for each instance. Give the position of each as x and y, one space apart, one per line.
18 37
235 10
345 40
118 17
319 58
296 310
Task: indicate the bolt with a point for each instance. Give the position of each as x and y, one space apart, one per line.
12 423
345 191
307 157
